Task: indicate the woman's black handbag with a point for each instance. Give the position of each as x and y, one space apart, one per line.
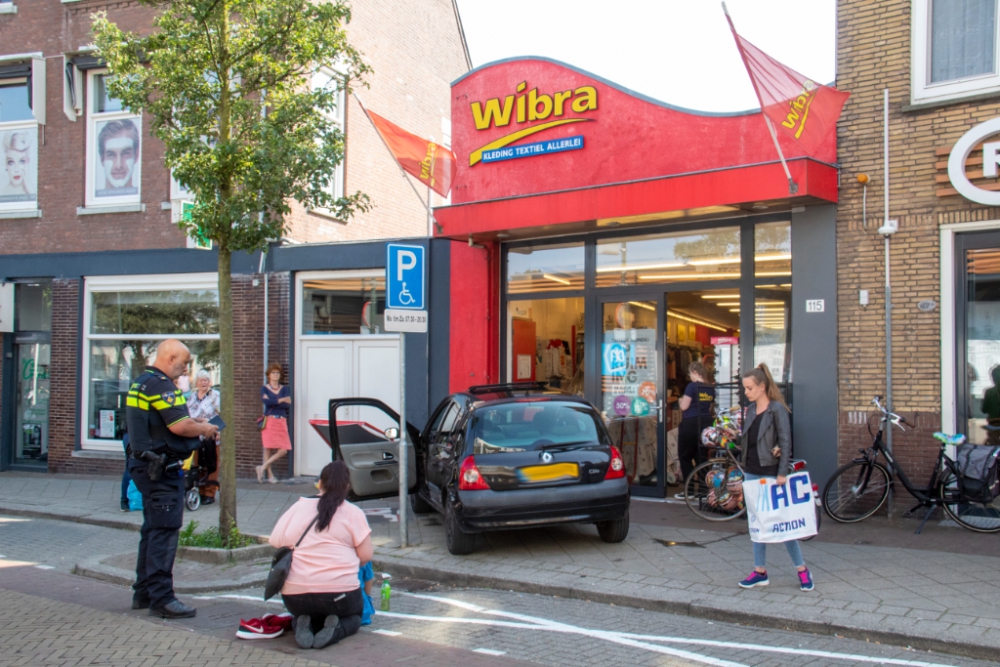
281 563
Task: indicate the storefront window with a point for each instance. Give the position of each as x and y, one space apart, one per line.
349 305
32 356
772 341
982 344
34 306
547 268
545 342
773 250
125 322
713 254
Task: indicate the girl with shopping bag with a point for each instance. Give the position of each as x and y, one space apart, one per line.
766 450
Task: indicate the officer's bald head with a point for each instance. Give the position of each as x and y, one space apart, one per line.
172 357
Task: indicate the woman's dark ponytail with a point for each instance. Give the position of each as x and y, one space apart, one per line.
335 482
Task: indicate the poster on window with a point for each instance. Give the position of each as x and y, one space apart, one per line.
19 176
117 158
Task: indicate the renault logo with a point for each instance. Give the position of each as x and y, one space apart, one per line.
546 457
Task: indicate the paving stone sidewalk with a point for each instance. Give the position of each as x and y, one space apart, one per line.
927 599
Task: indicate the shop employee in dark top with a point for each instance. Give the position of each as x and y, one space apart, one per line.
161 432
696 415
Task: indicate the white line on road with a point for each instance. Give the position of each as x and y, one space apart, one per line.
489 651
553 626
391 633
45 567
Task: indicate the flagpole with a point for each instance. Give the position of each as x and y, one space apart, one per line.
793 187
430 212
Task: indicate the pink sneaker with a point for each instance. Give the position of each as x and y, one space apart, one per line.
805 581
256 628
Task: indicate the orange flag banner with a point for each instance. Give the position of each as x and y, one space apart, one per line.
431 163
804 110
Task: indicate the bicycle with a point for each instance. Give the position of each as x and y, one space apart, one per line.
714 489
859 489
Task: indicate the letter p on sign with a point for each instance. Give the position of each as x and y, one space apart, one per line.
405 260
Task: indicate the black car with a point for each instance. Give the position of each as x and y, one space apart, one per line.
495 457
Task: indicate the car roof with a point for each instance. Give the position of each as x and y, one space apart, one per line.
517 392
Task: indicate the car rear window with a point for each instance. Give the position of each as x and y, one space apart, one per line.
529 425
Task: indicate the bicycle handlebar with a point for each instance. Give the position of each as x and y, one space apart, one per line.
898 420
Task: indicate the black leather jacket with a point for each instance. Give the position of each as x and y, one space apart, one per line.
775 429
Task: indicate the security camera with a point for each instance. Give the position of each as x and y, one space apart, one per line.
889 228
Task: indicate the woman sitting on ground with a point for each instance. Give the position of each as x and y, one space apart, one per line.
322 590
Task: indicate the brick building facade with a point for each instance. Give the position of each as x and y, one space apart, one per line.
66 242
889 44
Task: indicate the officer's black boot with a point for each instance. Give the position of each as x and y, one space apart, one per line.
174 609
140 601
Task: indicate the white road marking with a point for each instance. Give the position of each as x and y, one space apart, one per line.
541 623
391 633
45 567
489 651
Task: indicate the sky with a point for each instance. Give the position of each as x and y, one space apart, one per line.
676 51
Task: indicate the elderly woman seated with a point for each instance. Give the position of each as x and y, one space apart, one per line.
322 590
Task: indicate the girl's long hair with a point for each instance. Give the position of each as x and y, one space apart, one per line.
762 375
335 482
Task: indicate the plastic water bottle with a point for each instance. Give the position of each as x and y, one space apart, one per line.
386 593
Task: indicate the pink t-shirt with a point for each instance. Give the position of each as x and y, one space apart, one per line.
327 561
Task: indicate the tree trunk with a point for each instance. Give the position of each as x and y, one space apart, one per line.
227 455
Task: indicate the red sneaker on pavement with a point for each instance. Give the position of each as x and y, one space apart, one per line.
280 620
256 628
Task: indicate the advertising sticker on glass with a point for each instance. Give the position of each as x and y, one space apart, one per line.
19 173
117 159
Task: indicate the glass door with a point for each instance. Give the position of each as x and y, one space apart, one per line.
31 431
631 391
977 323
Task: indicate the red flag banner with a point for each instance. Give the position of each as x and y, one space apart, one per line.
431 163
805 110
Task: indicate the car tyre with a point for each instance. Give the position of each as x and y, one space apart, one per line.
459 543
419 505
613 531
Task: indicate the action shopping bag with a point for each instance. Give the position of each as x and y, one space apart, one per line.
780 512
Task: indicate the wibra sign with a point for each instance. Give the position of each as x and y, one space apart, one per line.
578 130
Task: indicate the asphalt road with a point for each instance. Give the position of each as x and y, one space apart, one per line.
427 623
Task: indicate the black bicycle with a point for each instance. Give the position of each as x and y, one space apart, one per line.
860 488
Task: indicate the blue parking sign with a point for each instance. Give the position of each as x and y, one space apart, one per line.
404 276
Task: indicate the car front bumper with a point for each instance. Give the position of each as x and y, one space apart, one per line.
480 511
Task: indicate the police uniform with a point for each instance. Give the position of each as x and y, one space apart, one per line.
154 404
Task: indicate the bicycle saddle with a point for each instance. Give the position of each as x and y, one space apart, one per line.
957 439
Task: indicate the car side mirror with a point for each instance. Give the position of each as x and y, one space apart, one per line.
392 433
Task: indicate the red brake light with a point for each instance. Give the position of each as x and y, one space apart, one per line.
616 469
469 478
798 465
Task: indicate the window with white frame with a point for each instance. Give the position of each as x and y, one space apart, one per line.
125 319
22 110
328 79
114 147
955 49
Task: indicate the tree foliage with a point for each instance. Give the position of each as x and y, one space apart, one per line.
226 87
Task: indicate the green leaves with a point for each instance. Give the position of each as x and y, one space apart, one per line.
226 85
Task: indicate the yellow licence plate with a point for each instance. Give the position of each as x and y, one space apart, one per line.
555 471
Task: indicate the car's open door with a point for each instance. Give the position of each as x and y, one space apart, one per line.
364 435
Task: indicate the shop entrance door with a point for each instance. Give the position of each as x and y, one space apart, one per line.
631 390
977 335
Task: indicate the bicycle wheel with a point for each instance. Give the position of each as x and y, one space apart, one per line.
976 516
714 491
854 494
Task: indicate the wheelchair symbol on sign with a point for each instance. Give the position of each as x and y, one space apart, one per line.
405 297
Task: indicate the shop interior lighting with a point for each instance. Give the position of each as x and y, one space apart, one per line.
768 274
557 279
642 305
773 258
703 276
674 313
640 267
720 296
727 303
712 262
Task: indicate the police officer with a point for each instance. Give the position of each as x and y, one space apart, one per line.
162 435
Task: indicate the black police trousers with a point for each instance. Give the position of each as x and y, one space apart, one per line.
162 517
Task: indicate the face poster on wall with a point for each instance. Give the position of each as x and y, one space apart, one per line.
116 172
19 172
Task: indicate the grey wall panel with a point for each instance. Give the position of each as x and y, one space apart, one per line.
439 327
814 339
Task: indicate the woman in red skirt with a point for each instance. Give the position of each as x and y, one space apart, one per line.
277 401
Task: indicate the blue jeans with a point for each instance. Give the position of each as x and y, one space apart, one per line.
760 549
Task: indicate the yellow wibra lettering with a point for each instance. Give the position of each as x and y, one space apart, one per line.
492 115
530 105
534 100
790 120
584 99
